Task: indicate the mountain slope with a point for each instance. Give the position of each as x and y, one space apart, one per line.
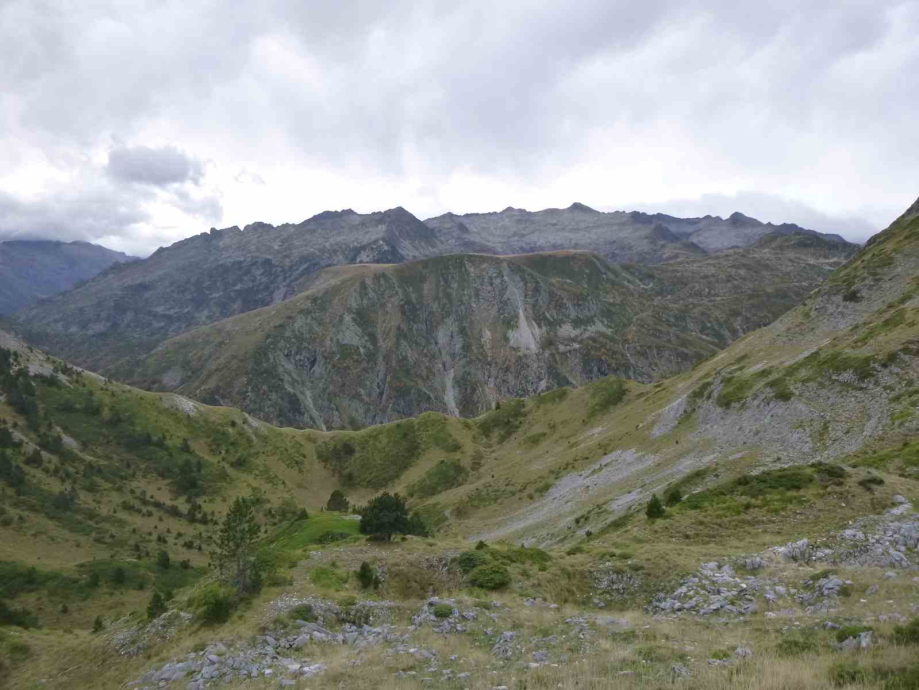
371 344
128 311
33 270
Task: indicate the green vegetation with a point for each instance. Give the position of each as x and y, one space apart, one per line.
907 634
373 457
442 611
337 502
490 576
605 394
504 420
385 516
734 390
326 577
654 509
303 612
235 553
552 397
299 534
435 433
446 474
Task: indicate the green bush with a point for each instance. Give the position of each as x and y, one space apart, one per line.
470 560
844 673
490 576
795 646
655 508
673 496
366 575
847 631
156 607
907 634
442 611
302 612
215 604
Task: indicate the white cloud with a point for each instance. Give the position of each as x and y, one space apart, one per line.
451 106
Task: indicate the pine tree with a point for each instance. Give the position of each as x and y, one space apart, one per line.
236 544
156 607
385 516
655 508
673 496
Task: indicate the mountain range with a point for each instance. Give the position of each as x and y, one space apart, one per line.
31 270
131 311
783 553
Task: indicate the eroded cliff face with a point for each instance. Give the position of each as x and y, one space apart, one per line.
456 334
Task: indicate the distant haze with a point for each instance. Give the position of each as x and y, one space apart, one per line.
135 124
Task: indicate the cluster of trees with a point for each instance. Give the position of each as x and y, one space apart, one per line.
655 508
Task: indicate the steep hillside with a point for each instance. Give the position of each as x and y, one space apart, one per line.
128 311
784 555
33 270
372 344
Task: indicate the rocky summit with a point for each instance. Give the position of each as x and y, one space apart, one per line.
746 520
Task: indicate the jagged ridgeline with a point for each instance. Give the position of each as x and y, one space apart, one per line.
785 469
554 319
454 334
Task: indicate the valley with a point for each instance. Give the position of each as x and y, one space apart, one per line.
783 553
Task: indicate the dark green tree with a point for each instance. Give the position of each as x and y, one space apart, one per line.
156 607
365 575
385 516
337 502
673 496
417 526
655 508
162 560
235 554
98 625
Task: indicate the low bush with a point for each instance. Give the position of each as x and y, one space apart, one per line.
215 604
907 634
490 576
302 612
442 611
470 560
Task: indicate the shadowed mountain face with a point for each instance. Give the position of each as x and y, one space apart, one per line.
128 310
372 344
32 270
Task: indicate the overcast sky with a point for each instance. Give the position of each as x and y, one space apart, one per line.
134 124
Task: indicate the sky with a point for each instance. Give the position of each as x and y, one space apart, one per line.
134 124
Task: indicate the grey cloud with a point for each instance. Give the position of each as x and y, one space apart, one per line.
159 167
720 95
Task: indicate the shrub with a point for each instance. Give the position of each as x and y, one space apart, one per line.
98 625
490 576
156 607
442 611
868 483
907 634
794 646
673 496
162 560
337 502
844 673
470 560
215 604
366 575
847 631
18 617
655 508
385 516
411 582
302 612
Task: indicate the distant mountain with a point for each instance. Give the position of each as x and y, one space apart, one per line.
375 343
619 236
31 270
129 309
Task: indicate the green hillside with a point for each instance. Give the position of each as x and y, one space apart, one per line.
783 555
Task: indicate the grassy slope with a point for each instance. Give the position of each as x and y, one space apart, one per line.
832 388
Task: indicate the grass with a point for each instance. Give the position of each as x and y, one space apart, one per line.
446 474
503 421
299 534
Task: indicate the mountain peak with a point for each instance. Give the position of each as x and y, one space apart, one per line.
738 217
578 206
